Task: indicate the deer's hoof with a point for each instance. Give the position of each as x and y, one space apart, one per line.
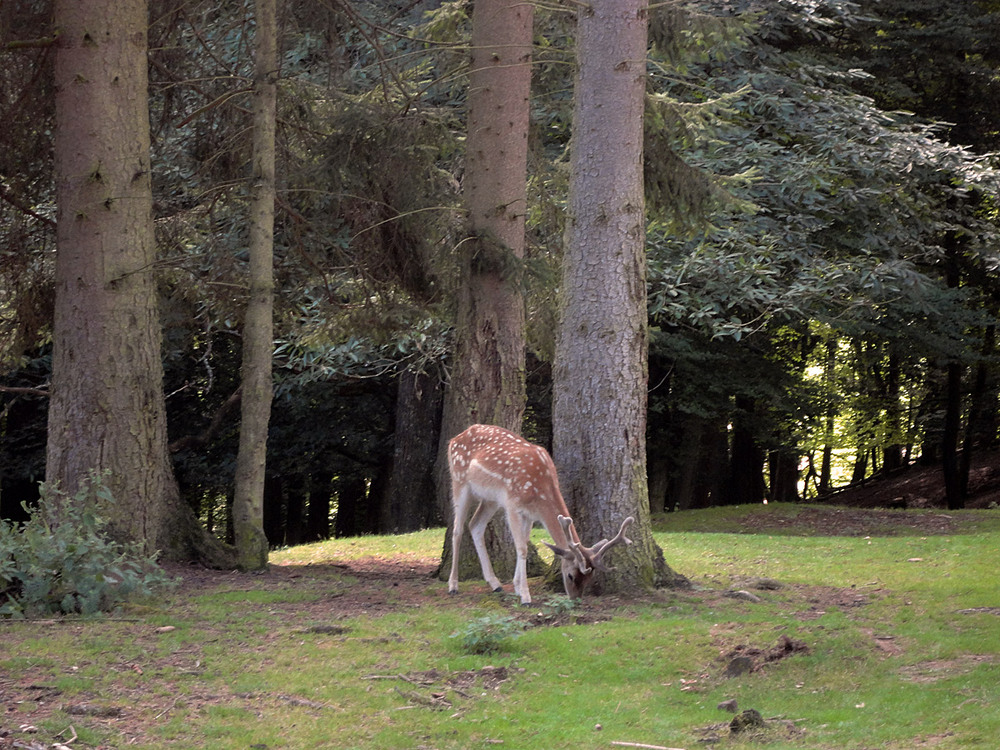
498 590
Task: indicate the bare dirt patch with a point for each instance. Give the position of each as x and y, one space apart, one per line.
941 669
437 689
923 487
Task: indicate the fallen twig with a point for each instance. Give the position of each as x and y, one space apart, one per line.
402 677
648 747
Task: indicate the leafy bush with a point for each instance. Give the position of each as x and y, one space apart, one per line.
489 634
66 562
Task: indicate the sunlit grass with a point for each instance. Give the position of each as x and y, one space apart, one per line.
892 661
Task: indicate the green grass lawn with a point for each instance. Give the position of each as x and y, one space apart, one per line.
893 641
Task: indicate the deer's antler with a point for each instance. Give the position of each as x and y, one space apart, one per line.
575 548
595 553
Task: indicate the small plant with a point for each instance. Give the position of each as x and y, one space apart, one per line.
560 604
488 635
67 563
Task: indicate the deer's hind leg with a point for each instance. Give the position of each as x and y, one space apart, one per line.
477 527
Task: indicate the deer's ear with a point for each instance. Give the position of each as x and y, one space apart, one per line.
564 553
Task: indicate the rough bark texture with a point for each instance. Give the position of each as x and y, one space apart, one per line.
107 409
258 345
488 382
600 375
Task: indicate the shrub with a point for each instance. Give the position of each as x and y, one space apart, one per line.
489 634
70 565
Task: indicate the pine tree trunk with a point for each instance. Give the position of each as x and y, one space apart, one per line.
488 378
408 501
953 489
258 344
107 407
600 374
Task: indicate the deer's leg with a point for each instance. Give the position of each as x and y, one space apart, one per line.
460 497
520 529
477 527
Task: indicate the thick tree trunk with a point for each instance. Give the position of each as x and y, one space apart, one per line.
488 381
258 344
107 408
600 374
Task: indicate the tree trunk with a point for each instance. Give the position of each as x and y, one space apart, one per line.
274 510
661 464
258 344
784 476
600 374
892 453
954 495
745 479
107 406
488 381
830 382
408 502
350 502
976 437
320 500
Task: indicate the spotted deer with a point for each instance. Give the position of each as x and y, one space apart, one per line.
506 472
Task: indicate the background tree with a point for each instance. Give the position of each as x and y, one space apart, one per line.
487 383
814 310
258 336
600 374
106 411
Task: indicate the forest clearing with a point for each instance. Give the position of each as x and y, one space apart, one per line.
885 638
264 264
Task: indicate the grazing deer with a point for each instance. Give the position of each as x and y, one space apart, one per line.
504 471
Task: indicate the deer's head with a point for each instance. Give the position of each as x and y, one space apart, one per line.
578 562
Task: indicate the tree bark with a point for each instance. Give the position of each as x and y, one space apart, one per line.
408 502
600 374
488 375
258 339
953 490
745 478
976 437
107 406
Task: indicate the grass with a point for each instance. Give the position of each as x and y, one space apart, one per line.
314 655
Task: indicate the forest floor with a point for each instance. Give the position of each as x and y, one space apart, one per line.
384 584
389 584
923 487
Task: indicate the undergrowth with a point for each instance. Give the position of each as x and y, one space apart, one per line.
489 634
63 561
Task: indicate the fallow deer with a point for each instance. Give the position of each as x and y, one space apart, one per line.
504 471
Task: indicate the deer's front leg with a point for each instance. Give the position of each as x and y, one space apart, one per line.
520 529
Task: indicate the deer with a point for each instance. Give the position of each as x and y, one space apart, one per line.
503 471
